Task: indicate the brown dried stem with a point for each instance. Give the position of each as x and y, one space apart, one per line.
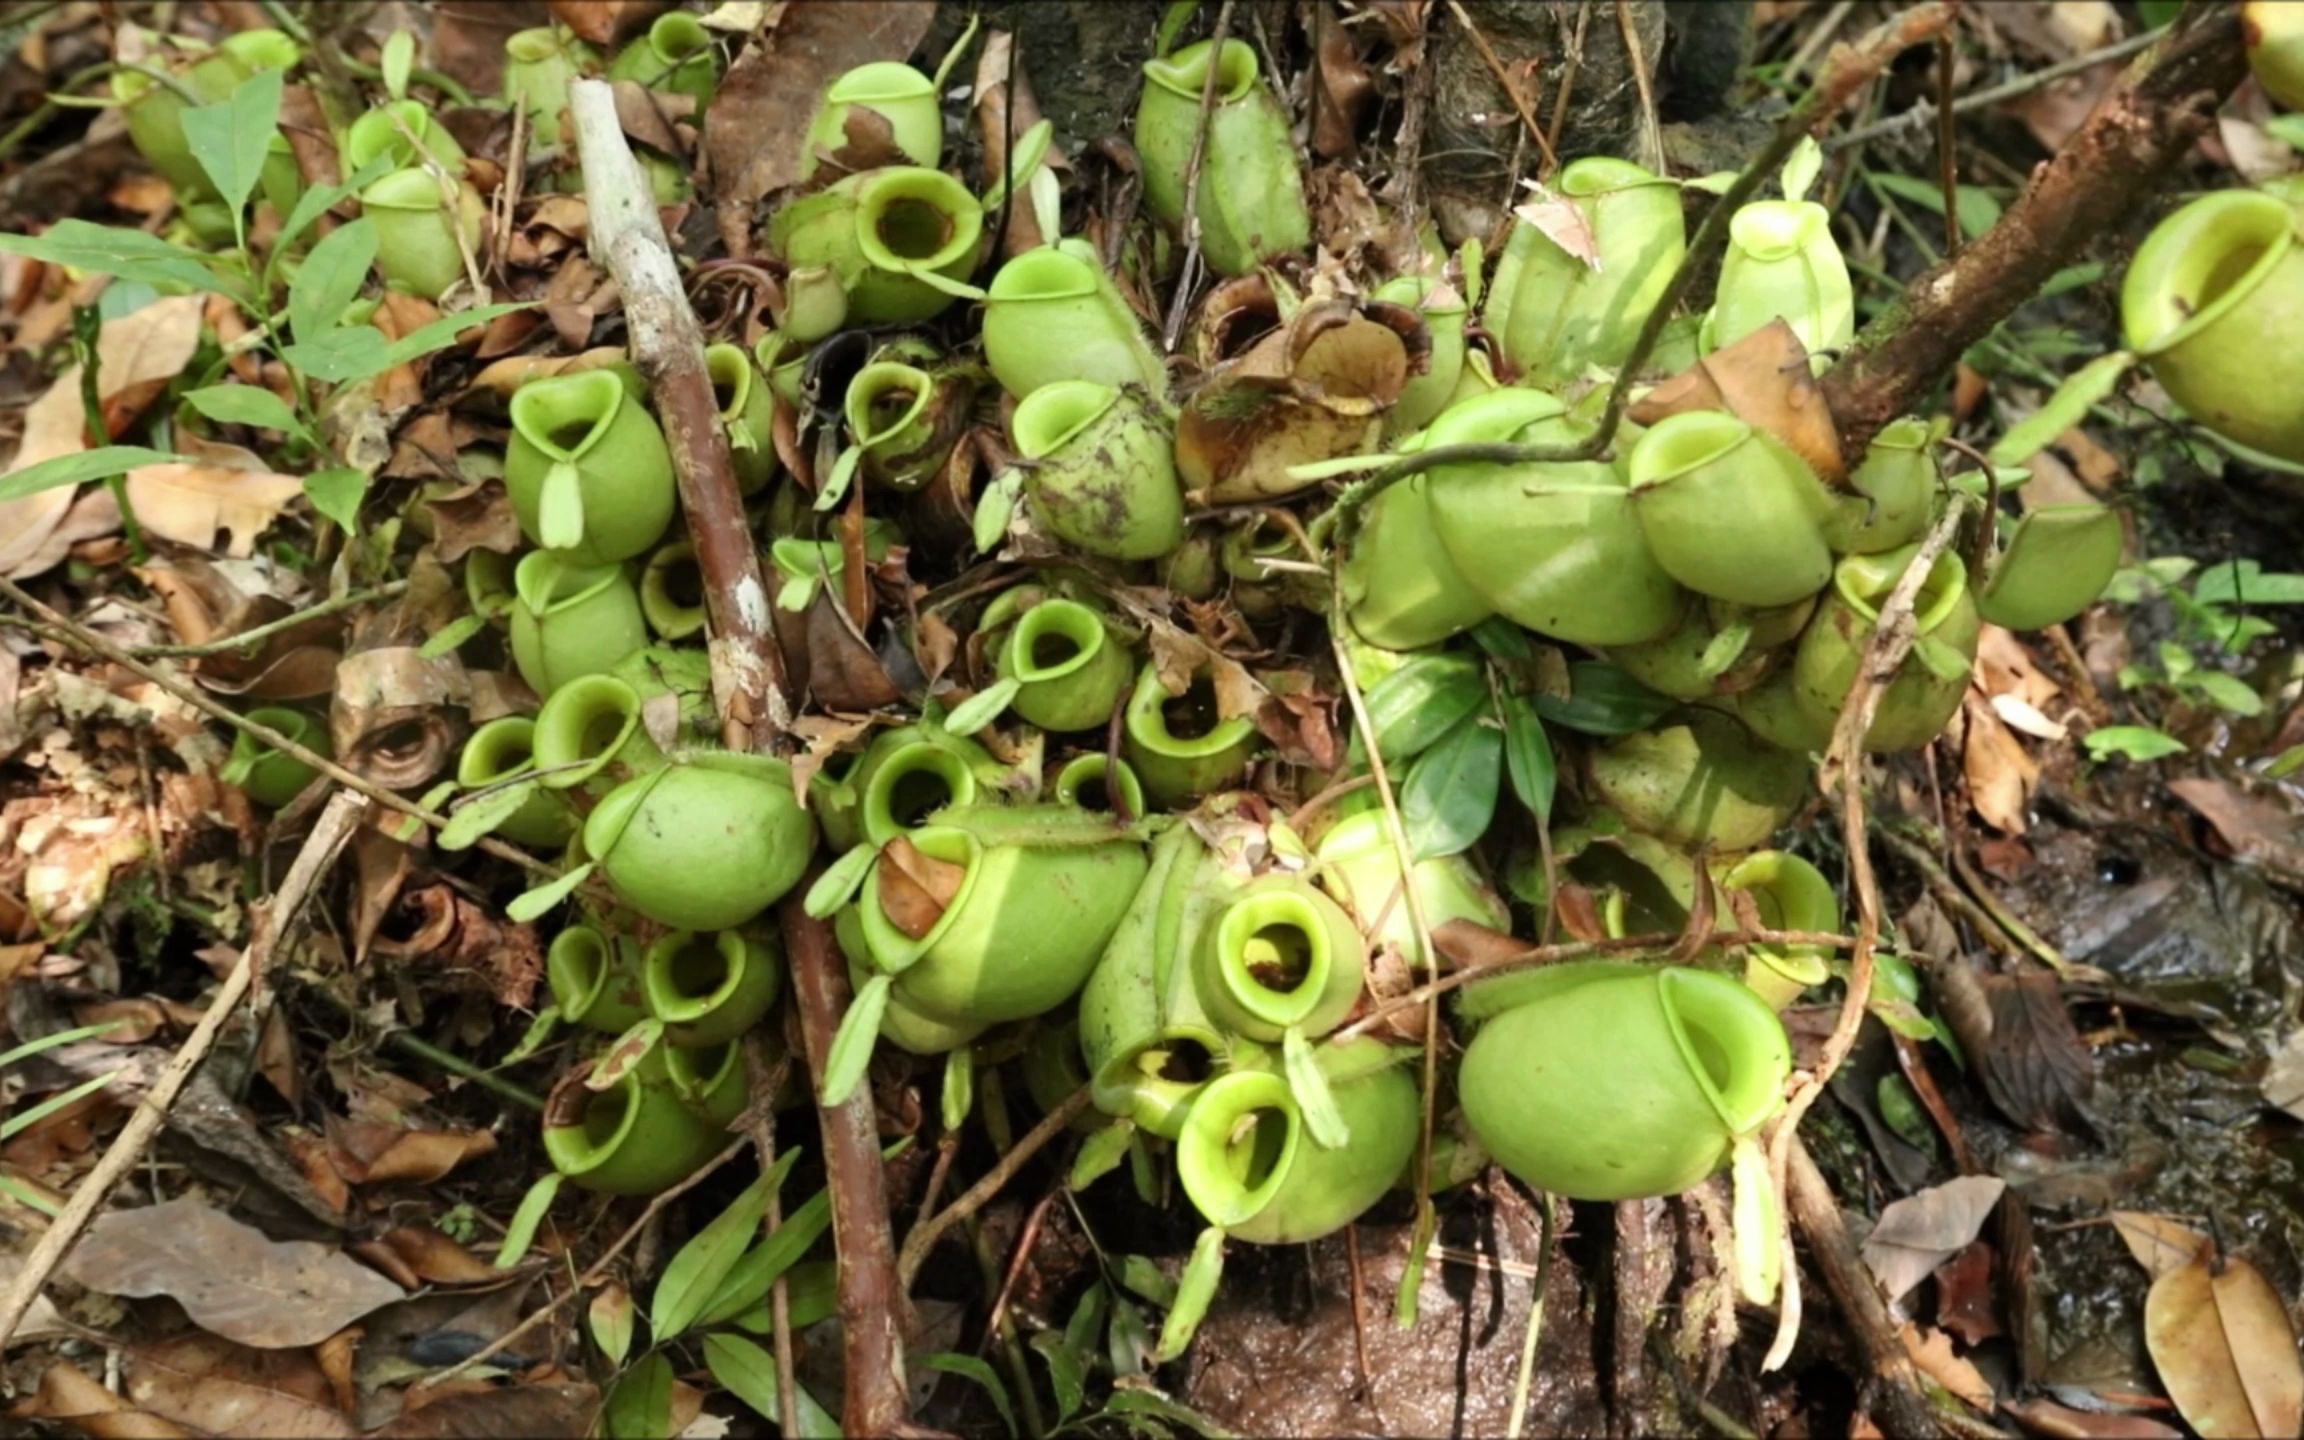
925 1234
1188 274
329 834
2101 178
249 639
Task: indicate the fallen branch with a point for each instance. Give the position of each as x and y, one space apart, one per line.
329 834
748 686
2104 175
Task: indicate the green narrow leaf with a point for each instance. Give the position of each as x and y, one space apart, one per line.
843 473
247 405
1603 700
969 1367
56 1041
1143 1275
1801 168
531 904
539 1032
399 58
330 279
317 200
18 1123
852 1045
983 707
693 1277
1310 1087
451 636
488 810
749 1373
1193 1293
79 468
1528 757
1128 1341
116 250
1067 1372
1144 1400
1450 793
959 1085
1101 1154
640 1407
610 1317
995 507
336 493
24 1195
231 137
1411 708
840 881
1405 1299
2136 742
624 1054
2228 692
748 1280
2062 410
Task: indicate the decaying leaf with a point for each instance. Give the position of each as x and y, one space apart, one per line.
232 1279
220 1388
916 888
2159 1243
556 1411
1931 1350
1560 221
2035 1066
1965 1299
606 22
2221 1340
67 1393
2001 774
1765 381
190 503
2259 830
1920 1232
2062 1422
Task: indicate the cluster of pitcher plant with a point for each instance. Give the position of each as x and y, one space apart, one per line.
1081 864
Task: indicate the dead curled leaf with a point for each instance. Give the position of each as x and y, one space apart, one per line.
2259 831
916 888
1765 381
1931 1350
1920 1232
2221 1340
220 1388
232 1279
67 1393
190 503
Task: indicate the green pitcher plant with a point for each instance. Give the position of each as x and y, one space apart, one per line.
1699 778
1444 313
747 414
590 736
2275 36
425 225
1617 1080
571 620
676 55
155 115
1248 1162
1281 956
1555 548
671 592
272 777
1784 892
1102 474
1097 782
1782 263
903 421
1716 648
1179 745
710 989
1730 511
636 1136
1400 585
2055 565
405 133
1035 893
883 95
1251 193
1916 705
705 842
1556 313
1053 314
1895 492
1360 867
588 470
502 752
595 978
2213 303
539 64
1068 666
901 241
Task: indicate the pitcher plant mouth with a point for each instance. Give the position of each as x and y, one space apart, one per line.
2200 264
1695 439
413 190
886 399
566 419
878 83
672 591
585 723
1732 1042
1186 72
1185 726
912 785
716 985
911 219
1777 229
601 1125
1273 956
1055 638
545 582
592 980
939 843
533 47
1053 415
1605 175
732 376
498 750
1096 782
1048 273
1238 1143
1865 582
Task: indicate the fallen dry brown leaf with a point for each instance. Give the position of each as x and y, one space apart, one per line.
916 888
2062 1422
212 1385
1765 381
1920 1232
2258 830
1932 1351
66 1393
232 1279
2221 1340
2160 1243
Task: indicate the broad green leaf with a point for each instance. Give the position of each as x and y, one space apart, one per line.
399 58
317 200
2229 692
983 707
995 507
449 638
640 1407
1528 758
330 279
852 1044
1411 708
2136 742
1143 1275
337 356
486 811
840 881
1087 1319
531 904
694 1275
1100 1154
811 1293
610 1318
116 250
78 468
1603 700
231 137
2243 582
969 1367
749 1373
247 405
336 493
748 1280
1193 1292
1450 794
1322 1119
2062 410
2287 763
1977 208
1128 1341
1067 1372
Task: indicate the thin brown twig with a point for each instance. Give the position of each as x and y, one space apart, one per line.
1026 1238
1921 113
1568 74
81 638
249 639
766 1080
1188 274
1947 153
598 1270
1636 59
1495 64
925 1234
321 846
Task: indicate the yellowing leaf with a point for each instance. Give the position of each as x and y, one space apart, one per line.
189 502
1931 1350
2159 1243
2225 1350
